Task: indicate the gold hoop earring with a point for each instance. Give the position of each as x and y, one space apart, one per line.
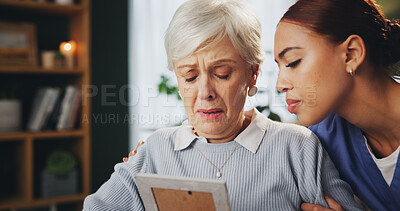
252 91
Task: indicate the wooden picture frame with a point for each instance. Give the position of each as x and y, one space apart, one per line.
18 45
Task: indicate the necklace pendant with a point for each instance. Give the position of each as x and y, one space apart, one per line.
219 174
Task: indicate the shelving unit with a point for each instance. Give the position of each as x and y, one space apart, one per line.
43 7
25 151
37 135
39 70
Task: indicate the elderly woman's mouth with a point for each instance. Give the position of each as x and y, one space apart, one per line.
210 114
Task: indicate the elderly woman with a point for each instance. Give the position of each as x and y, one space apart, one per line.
214 48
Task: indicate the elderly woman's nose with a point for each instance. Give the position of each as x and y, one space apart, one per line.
206 90
283 84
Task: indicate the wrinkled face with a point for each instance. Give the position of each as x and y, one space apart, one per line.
311 72
213 85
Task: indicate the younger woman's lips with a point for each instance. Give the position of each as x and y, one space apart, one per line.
292 105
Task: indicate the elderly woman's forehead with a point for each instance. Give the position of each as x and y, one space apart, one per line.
223 49
222 46
196 21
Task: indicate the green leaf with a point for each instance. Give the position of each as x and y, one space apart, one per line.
274 116
60 163
262 108
164 87
271 115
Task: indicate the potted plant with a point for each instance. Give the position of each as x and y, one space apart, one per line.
166 88
60 176
10 111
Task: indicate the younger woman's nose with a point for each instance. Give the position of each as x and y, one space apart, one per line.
283 84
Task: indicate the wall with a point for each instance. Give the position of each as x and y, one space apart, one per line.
109 64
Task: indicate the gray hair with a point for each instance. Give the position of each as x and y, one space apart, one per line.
198 24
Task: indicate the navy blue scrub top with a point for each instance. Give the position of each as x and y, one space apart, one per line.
346 146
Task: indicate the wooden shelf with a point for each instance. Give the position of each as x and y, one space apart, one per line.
39 70
28 150
20 203
41 135
11 200
42 7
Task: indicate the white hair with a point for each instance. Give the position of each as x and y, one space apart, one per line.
198 24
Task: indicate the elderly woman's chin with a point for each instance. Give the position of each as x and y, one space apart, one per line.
212 124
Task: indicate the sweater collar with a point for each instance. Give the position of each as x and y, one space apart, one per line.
250 138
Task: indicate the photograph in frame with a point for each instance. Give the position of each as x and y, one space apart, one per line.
18 44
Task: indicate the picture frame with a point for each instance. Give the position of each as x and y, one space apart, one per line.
163 192
18 45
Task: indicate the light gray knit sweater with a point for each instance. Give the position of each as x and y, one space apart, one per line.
287 167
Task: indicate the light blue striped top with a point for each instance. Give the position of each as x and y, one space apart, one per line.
276 166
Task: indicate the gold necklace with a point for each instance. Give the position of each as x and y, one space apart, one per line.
218 169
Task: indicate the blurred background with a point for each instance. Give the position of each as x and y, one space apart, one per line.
83 81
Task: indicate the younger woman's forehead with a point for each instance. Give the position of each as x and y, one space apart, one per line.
290 36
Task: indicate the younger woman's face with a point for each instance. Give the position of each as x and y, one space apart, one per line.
311 72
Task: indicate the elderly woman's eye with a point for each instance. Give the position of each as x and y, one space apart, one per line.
223 76
222 72
191 79
294 64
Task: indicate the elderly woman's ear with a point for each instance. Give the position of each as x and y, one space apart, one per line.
254 74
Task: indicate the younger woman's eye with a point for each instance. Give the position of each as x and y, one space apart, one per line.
294 64
191 79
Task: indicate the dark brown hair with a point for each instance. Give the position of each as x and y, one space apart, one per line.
338 19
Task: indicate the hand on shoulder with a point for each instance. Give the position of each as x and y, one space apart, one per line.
133 152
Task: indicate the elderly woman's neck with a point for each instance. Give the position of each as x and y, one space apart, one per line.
230 137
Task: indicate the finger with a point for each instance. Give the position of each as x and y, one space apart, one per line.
130 153
138 145
332 203
134 151
312 207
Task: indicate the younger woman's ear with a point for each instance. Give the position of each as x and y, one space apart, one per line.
355 52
